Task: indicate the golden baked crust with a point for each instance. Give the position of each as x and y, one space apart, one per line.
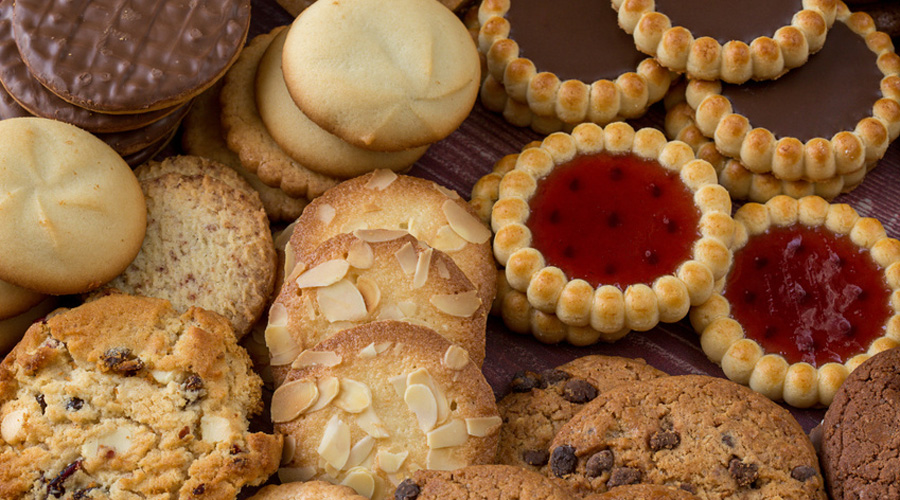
742 359
819 159
607 309
308 490
765 58
556 104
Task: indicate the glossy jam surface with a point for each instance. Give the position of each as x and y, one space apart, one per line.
613 219
808 294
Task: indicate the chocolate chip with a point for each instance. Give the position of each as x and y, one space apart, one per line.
688 487
664 440
743 474
728 440
554 376
199 490
74 404
536 457
41 402
803 472
599 463
579 391
623 475
407 490
563 460
524 381
122 361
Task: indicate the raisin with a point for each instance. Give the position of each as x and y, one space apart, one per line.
553 376
183 432
235 449
193 388
525 381
74 404
536 457
56 487
41 402
579 391
563 460
621 476
664 440
728 440
688 487
83 493
199 490
743 474
803 472
599 463
407 490
122 361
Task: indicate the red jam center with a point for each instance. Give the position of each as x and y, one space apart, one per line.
808 294
613 219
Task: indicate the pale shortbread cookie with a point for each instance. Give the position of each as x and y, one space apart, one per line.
374 275
12 329
125 398
73 212
309 490
373 404
295 7
207 245
384 200
15 300
305 141
385 77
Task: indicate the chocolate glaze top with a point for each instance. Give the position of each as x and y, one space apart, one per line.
575 39
832 92
727 20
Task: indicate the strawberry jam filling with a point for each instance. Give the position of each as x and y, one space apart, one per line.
808 294
613 219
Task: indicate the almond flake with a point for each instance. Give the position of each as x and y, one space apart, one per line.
462 304
483 426
465 224
354 225
335 444
421 376
325 213
369 422
353 397
213 429
381 179
341 301
292 399
290 263
443 272
443 459
422 266
399 383
284 236
447 240
328 388
371 207
370 292
408 308
296 474
289 449
325 274
361 480
449 193
390 462
455 357
295 271
309 358
379 235
422 403
451 434
360 254
282 347
368 351
360 451
383 346
390 311
407 258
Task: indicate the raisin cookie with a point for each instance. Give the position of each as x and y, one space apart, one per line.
481 482
124 397
709 435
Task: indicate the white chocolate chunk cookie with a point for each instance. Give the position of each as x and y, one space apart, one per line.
373 404
124 398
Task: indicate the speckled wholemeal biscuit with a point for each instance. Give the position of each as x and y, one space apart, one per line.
122 398
540 403
713 437
643 492
374 275
309 490
373 404
860 448
188 165
207 245
481 482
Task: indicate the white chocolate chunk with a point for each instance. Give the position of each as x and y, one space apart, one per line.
119 440
422 266
335 445
361 480
354 396
461 305
483 426
455 357
422 403
326 273
213 428
163 376
407 258
453 433
309 358
292 399
390 462
381 179
341 301
360 255
465 224
328 388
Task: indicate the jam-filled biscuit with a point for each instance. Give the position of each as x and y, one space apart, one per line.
563 63
705 434
731 41
832 117
377 402
481 482
812 294
574 238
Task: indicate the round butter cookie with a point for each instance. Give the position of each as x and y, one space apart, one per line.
310 490
122 398
859 447
832 117
540 403
612 229
733 41
374 275
382 199
481 482
15 300
73 216
12 328
643 492
371 405
385 77
812 294
305 141
705 434
208 245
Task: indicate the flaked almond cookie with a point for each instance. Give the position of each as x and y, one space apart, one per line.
832 117
372 275
309 490
373 404
813 292
540 403
704 434
481 482
554 65
612 229
123 397
437 216
734 42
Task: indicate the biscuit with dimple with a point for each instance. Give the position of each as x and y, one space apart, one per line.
73 216
385 77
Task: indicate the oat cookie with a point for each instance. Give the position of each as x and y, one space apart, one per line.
859 447
643 492
310 490
373 404
124 397
481 482
706 434
540 403
808 298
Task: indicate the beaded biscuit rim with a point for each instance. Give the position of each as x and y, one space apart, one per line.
606 308
764 58
819 159
566 102
742 359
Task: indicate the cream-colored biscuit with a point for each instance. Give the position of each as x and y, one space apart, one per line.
482 482
743 360
15 300
73 216
385 77
373 404
12 328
